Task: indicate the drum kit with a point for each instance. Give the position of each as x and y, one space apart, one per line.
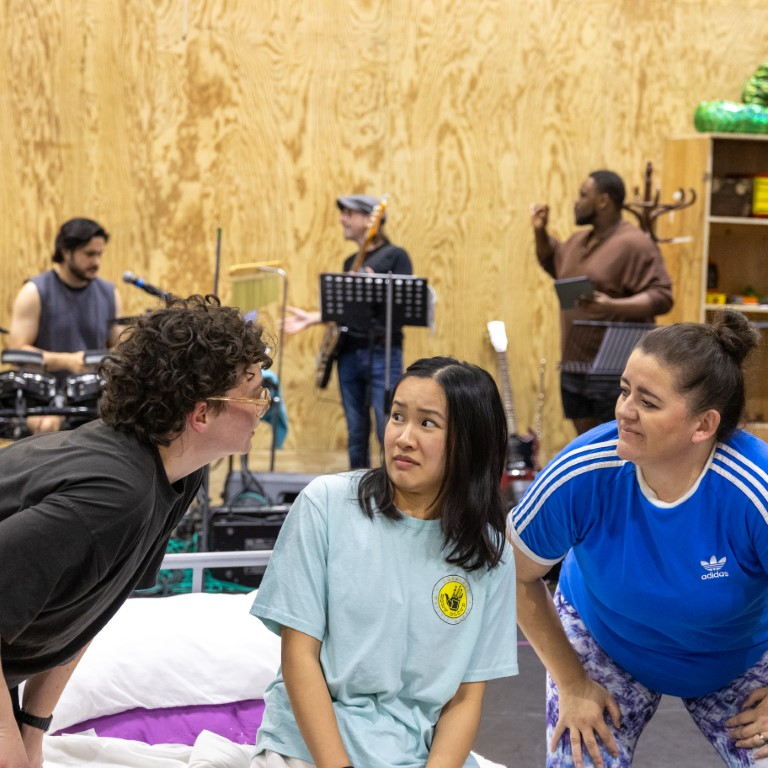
28 389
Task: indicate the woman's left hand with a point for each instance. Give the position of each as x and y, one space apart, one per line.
749 729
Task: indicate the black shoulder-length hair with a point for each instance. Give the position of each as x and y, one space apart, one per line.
471 510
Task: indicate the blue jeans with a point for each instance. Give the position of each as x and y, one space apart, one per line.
357 369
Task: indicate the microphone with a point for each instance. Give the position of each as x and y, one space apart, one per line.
129 277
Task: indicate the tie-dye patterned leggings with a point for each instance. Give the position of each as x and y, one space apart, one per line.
638 704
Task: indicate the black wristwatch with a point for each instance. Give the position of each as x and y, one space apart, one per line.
24 718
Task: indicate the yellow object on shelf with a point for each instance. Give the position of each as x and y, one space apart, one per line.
715 297
760 196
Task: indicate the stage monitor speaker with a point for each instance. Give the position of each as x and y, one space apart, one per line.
283 487
246 487
241 530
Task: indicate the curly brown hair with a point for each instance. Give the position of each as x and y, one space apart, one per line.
172 358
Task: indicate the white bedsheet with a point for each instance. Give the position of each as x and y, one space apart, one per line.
184 650
209 751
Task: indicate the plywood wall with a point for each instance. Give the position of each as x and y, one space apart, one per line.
169 119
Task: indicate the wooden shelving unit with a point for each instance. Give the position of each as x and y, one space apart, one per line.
736 245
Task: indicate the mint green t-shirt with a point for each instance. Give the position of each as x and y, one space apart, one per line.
400 627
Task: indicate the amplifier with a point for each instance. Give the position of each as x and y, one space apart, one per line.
283 487
246 487
241 529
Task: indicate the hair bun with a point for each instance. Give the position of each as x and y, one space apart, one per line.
737 335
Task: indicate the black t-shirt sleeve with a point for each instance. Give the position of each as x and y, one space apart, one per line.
41 568
401 263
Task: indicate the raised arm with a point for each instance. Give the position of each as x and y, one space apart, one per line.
457 727
545 245
582 700
310 699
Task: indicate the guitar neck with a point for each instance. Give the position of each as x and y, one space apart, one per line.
370 235
360 258
506 393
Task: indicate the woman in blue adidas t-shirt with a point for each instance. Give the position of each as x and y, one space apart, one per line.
393 590
663 516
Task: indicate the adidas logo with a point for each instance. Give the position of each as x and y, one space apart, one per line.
714 568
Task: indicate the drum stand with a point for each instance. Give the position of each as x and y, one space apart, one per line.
30 383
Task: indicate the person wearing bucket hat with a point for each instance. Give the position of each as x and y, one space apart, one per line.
360 354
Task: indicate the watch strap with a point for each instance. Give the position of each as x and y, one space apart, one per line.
24 718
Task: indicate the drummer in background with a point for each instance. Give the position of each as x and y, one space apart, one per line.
67 310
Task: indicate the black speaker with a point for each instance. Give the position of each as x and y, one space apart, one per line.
242 529
246 487
283 487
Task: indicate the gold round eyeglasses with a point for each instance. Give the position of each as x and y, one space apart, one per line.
262 402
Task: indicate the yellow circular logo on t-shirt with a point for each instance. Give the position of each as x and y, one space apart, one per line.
452 599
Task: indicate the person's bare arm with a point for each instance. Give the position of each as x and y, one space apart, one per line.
12 750
25 318
545 245
582 700
298 319
23 746
457 727
116 329
310 699
25 323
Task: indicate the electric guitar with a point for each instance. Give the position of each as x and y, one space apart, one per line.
522 450
329 347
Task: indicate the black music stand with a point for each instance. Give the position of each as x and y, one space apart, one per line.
616 342
361 299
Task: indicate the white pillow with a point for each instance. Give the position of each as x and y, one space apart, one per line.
214 751
197 648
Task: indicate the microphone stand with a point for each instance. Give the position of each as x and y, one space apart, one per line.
218 262
203 493
277 400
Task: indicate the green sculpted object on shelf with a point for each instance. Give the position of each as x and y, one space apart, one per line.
748 116
756 88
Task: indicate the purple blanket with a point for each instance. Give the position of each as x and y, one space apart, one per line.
238 721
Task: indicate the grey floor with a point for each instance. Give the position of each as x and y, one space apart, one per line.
512 726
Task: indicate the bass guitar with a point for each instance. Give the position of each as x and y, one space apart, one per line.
522 450
329 347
